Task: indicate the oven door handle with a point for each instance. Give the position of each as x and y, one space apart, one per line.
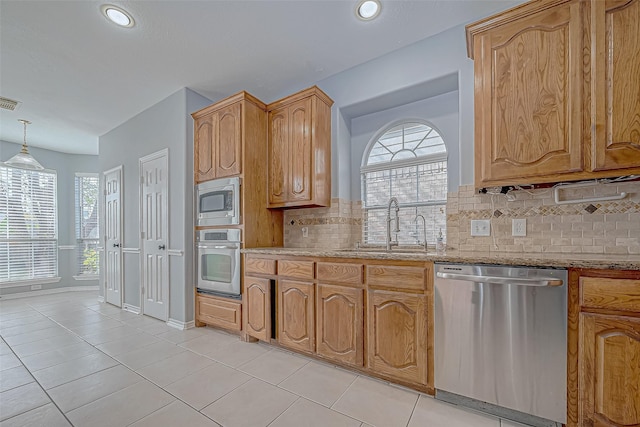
501 280
218 247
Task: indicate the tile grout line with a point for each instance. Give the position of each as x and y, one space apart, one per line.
415 405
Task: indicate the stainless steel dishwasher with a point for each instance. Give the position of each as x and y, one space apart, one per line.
501 340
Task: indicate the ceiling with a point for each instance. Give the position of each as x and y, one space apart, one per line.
78 76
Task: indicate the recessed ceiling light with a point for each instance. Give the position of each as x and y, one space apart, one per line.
117 15
368 9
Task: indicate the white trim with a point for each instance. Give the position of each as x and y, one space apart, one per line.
423 160
87 277
181 325
52 291
131 308
88 174
130 250
175 252
18 283
66 247
100 298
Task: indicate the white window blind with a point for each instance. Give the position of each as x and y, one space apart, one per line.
407 162
28 224
87 232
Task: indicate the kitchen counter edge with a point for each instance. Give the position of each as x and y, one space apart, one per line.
554 260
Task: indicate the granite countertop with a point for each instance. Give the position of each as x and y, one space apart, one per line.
560 260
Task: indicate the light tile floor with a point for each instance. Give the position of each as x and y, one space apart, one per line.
66 359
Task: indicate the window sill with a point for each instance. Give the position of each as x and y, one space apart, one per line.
87 277
19 283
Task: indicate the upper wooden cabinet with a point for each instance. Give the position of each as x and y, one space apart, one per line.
299 153
548 107
218 136
616 84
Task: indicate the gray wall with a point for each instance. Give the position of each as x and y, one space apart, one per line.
167 124
441 111
426 69
66 166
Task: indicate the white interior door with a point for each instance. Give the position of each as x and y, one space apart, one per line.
113 236
154 229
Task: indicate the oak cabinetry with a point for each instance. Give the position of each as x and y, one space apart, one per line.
604 348
221 312
218 143
556 92
299 154
397 335
257 300
296 315
340 312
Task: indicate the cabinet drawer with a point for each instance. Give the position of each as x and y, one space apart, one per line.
610 294
413 278
219 312
260 265
297 269
340 272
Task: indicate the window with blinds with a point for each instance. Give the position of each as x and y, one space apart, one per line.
409 162
28 225
87 232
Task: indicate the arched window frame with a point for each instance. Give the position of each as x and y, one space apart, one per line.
412 232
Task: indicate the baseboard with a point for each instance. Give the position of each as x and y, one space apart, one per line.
181 325
52 291
100 298
131 308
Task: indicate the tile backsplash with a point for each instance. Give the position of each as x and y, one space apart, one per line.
610 227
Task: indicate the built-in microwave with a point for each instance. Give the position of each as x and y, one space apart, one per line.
218 202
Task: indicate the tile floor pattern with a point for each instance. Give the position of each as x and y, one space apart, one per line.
66 359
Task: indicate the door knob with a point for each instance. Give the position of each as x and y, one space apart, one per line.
162 247
116 245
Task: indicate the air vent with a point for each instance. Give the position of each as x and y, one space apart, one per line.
9 104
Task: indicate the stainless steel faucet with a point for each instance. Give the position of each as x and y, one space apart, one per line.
424 227
393 201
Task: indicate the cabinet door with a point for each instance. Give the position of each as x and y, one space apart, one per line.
296 317
397 335
300 159
257 306
339 323
229 141
219 312
616 83
609 365
278 155
206 129
528 98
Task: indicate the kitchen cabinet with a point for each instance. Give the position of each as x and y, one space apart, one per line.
296 315
218 143
399 325
557 92
340 312
616 84
221 312
299 154
604 348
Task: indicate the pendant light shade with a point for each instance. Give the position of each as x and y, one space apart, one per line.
23 159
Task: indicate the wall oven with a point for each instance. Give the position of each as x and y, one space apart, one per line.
218 202
218 262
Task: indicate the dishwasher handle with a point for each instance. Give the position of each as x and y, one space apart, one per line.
501 280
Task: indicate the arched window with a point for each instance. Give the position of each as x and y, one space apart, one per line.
407 161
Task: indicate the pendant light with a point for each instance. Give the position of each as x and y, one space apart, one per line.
23 159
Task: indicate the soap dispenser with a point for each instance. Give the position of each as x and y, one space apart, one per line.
440 248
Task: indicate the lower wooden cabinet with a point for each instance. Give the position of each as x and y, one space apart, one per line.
296 315
220 312
397 335
609 364
339 325
257 302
